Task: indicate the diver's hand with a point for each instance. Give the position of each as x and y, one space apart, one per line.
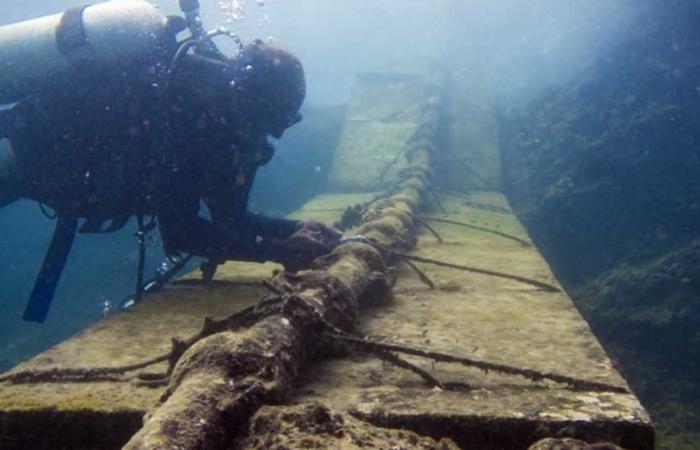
321 232
310 240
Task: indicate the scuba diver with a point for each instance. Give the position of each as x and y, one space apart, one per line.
174 125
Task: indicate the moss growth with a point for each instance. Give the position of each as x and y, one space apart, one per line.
314 426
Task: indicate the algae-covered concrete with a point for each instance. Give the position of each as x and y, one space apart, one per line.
319 427
104 414
471 155
222 378
489 319
468 314
382 116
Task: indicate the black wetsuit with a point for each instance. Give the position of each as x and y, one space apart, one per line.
141 144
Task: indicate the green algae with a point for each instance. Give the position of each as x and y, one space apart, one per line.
488 319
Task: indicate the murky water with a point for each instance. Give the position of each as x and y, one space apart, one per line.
589 106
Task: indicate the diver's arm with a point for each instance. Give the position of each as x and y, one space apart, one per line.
292 243
228 207
187 232
271 227
259 237
252 237
199 236
227 201
235 233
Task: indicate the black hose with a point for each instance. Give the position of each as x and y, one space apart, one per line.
51 269
141 236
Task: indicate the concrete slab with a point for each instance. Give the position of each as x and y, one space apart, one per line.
490 319
471 156
380 119
104 414
470 315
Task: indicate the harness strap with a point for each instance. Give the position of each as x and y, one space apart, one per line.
141 236
51 269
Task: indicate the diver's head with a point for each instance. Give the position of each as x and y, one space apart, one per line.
272 86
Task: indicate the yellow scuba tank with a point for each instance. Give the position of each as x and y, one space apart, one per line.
36 53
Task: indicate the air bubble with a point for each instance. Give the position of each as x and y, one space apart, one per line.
107 308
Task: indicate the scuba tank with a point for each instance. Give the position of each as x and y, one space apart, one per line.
36 53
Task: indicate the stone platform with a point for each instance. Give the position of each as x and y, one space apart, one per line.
470 315
489 319
104 414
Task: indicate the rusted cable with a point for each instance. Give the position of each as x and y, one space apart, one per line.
423 277
78 374
530 374
472 204
530 281
432 231
400 362
522 242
